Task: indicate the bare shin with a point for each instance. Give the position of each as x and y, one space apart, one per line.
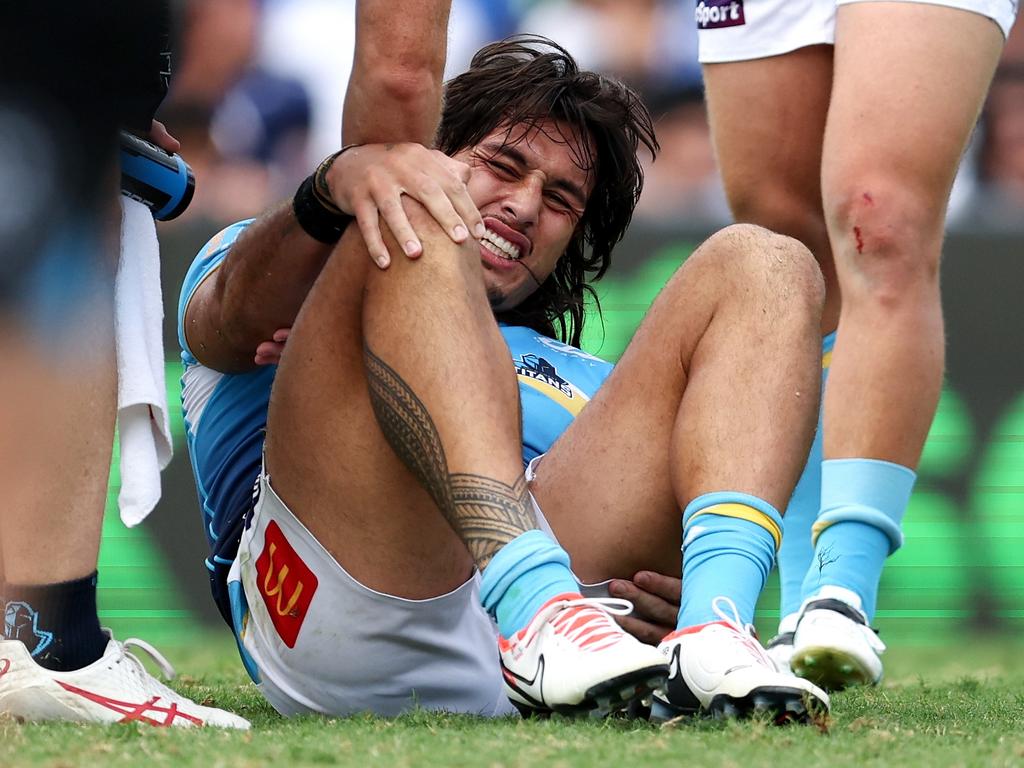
444 390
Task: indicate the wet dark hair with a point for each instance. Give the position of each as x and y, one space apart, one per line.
523 81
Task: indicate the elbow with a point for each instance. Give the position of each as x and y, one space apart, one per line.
237 329
404 80
410 86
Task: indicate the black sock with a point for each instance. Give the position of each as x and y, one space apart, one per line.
58 623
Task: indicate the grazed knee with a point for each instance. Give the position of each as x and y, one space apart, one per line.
886 240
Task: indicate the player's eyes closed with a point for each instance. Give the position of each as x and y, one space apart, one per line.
502 170
554 200
558 202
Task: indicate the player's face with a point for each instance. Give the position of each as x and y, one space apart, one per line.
531 193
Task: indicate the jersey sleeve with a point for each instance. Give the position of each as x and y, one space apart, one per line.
208 259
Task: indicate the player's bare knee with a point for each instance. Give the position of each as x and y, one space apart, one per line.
887 240
734 242
790 274
798 271
753 261
440 252
755 250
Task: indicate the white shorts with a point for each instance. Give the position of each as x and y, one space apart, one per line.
316 640
739 30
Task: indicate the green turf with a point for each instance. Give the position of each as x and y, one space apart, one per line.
939 706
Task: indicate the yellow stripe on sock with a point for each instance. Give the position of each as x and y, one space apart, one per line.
743 512
818 528
826 360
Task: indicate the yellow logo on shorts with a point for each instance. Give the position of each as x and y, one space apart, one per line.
286 584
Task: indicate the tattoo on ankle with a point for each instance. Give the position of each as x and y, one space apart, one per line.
485 512
490 514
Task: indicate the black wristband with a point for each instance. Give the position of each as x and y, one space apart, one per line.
316 220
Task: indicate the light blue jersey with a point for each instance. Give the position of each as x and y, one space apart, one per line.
226 414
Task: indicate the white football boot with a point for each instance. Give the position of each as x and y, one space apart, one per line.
721 669
780 647
572 658
834 646
115 688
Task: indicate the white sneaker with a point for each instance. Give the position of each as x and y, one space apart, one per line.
834 646
116 688
721 669
780 651
780 647
573 658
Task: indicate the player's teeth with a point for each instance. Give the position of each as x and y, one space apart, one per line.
495 250
501 246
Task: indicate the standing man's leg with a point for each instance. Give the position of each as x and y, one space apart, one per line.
57 131
50 541
710 412
781 103
892 146
61 385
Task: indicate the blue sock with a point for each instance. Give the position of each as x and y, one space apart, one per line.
526 573
797 551
862 505
729 543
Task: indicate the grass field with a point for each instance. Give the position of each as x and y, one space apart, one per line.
939 706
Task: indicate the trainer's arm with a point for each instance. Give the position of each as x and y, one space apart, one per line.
394 92
394 95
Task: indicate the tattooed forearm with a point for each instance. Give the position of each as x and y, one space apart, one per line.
485 513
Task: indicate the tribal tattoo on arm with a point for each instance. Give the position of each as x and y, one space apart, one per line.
485 513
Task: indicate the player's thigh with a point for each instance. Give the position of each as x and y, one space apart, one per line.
767 120
329 460
910 80
614 484
606 486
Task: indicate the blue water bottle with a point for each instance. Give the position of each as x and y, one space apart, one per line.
156 178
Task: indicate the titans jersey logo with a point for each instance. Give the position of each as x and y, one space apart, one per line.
538 369
21 622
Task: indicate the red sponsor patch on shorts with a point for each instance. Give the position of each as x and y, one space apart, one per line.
286 584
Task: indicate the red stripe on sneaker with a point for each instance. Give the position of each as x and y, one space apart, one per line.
573 621
135 712
597 639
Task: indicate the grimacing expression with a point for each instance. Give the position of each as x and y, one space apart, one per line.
531 191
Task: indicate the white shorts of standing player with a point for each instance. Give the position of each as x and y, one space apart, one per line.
740 30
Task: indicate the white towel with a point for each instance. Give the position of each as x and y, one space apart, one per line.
142 419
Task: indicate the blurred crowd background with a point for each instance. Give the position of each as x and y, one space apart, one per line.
257 95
